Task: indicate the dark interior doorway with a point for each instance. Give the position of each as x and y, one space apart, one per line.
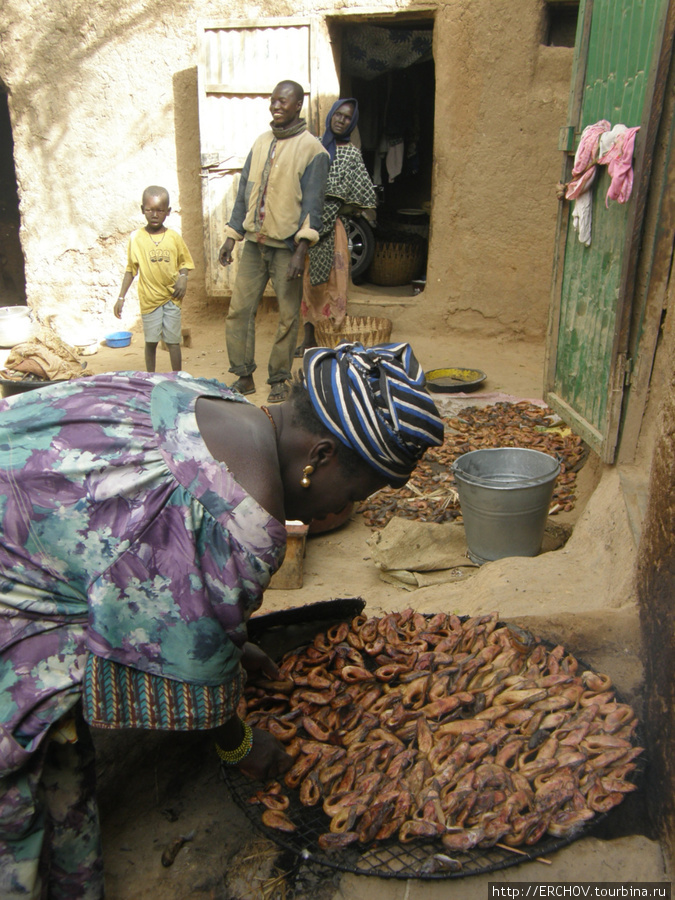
388 66
12 265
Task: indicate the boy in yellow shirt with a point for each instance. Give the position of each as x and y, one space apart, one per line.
161 259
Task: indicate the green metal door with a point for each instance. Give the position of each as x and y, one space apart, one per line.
618 56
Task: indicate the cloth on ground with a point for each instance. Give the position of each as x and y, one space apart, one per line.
416 554
412 554
45 356
411 581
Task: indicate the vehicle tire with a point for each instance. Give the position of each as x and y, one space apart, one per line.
361 240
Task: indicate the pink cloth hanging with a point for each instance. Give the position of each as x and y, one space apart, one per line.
619 162
583 176
586 159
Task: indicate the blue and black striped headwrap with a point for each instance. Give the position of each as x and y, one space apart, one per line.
375 401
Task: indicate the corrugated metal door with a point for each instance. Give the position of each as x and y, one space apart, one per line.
618 53
240 62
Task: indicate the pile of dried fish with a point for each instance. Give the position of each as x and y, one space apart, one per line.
430 496
472 732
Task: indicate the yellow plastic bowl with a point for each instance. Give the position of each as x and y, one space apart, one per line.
454 380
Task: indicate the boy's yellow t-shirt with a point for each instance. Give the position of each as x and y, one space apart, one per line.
157 264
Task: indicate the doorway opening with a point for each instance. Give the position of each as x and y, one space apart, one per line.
387 65
560 22
12 264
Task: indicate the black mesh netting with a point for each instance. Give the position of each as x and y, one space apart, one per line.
423 859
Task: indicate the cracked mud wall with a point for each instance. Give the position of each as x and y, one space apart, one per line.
103 101
95 117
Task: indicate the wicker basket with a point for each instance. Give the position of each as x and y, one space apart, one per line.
397 262
367 330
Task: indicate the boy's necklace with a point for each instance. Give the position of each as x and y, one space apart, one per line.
157 243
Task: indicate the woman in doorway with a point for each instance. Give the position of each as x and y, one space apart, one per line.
348 190
141 518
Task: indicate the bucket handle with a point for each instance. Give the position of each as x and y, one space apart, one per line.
525 481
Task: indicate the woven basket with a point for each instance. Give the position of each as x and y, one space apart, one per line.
397 262
367 330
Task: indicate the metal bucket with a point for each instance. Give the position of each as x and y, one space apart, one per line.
504 494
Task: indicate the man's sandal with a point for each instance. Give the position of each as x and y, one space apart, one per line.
244 385
281 391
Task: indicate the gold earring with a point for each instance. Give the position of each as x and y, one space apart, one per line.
306 472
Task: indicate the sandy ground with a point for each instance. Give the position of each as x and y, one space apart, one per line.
155 789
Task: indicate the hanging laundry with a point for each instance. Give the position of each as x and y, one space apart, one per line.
616 152
394 159
398 149
380 156
583 176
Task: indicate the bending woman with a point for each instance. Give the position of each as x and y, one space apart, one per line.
141 518
348 189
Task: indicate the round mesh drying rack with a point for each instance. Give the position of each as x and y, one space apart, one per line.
390 858
385 859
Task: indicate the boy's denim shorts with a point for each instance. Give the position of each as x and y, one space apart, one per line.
163 324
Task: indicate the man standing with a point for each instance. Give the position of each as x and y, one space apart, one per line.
277 214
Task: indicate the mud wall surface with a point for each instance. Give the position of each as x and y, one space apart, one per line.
103 101
656 591
501 99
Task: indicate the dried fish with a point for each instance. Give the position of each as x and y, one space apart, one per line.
466 732
430 494
331 842
275 819
439 862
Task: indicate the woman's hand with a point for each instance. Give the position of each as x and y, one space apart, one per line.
257 662
267 758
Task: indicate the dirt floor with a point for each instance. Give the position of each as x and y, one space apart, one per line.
157 789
